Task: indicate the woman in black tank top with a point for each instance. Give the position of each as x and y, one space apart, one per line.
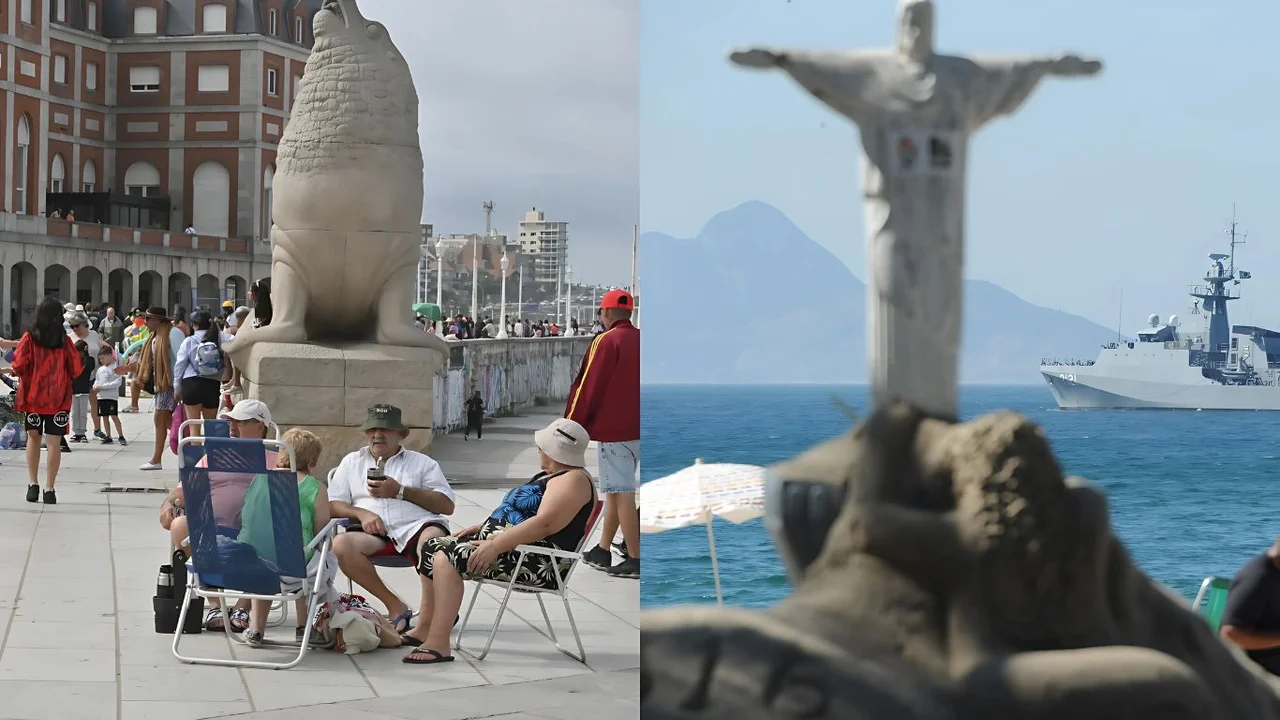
555 509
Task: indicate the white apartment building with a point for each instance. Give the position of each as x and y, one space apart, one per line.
546 245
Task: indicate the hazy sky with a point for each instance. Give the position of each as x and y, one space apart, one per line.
528 103
1120 182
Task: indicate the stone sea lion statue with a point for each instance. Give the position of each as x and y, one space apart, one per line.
963 578
347 199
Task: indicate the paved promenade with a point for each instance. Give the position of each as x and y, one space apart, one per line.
77 638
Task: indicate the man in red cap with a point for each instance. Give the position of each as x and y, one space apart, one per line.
605 399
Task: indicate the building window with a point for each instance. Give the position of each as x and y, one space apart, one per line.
215 18
57 175
213 78
59 69
273 83
298 34
297 83
60 11
91 15
91 76
26 14
273 23
144 21
89 178
142 179
144 79
21 165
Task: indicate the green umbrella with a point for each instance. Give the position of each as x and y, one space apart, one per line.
430 311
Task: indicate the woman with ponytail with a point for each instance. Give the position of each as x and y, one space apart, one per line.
200 366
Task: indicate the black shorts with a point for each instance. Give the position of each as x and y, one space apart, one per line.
205 392
55 424
108 408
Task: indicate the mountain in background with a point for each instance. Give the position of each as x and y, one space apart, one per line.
752 299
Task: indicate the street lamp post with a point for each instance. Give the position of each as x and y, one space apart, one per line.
475 278
502 320
440 274
568 297
520 291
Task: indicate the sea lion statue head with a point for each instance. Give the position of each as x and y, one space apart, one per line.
352 133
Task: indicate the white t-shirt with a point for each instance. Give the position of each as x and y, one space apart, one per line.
107 382
93 340
409 468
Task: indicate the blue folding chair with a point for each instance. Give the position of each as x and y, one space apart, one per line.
249 542
222 429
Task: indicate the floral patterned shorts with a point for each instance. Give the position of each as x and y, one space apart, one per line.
537 570
165 401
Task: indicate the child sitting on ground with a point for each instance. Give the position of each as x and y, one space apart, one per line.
107 384
257 528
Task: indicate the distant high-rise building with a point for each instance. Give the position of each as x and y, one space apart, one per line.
546 245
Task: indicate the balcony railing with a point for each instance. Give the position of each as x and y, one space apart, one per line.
116 235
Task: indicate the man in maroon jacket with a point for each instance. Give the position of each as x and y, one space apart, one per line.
605 399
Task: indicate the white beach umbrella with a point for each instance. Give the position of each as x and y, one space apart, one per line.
694 495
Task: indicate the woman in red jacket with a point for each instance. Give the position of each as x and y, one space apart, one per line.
45 362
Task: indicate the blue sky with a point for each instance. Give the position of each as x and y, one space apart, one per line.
1120 182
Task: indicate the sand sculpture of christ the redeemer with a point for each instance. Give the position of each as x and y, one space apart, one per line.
916 110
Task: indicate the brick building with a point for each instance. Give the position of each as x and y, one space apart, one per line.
160 116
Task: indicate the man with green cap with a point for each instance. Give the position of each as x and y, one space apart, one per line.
400 499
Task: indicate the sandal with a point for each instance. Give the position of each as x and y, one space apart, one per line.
406 618
434 657
213 618
239 619
252 638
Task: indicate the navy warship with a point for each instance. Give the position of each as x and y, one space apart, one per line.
1208 365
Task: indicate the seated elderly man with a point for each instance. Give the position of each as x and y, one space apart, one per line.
248 419
399 498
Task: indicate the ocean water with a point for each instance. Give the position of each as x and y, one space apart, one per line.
1191 493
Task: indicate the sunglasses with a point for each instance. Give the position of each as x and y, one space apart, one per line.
565 433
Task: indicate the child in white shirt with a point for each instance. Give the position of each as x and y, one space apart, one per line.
107 384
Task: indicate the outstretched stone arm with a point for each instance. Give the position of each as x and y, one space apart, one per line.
1006 83
836 78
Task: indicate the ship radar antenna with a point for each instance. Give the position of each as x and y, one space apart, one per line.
1238 237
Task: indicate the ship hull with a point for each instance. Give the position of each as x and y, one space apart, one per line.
1086 390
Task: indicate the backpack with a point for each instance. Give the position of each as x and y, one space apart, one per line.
208 360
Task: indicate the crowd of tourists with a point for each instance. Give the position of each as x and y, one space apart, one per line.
76 364
463 328
71 364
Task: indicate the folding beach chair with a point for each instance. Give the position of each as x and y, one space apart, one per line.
217 428
561 591
1213 599
244 545
222 429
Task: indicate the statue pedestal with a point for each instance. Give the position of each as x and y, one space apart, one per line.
328 389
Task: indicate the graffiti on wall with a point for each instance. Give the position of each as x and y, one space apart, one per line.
510 375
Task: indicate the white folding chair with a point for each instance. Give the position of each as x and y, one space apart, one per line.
561 591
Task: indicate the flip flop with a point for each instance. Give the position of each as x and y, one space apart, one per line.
435 657
405 617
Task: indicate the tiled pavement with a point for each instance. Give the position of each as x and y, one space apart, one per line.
77 638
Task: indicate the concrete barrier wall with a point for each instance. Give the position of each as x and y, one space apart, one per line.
510 374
